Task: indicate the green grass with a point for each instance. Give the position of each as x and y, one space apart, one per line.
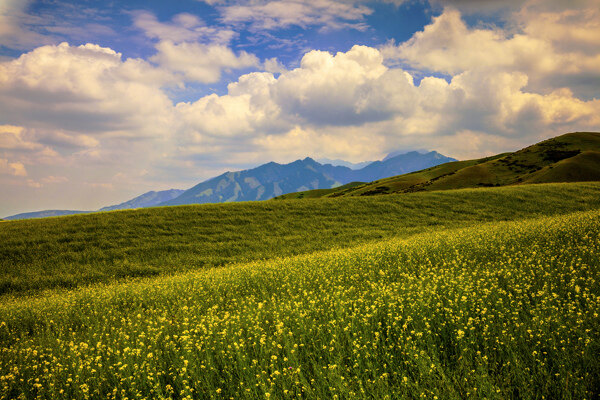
504 310
103 247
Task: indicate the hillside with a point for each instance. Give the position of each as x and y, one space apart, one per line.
573 157
273 179
507 310
102 247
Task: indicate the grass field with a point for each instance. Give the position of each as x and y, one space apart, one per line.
103 247
503 310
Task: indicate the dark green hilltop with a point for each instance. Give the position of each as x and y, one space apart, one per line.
573 157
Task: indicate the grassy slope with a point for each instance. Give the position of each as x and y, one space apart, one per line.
499 311
316 193
573 157
102 247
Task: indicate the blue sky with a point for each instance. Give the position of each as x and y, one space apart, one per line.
103 100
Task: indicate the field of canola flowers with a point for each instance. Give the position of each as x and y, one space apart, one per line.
498 311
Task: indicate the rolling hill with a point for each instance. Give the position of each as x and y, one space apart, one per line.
573 157
102 247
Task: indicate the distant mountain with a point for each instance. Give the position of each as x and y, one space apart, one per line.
400 164
44 214
400 152
148 199
342 163
273 179
573 157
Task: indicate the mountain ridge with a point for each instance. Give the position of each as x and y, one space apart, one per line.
269 180
572 157
273 179
147 199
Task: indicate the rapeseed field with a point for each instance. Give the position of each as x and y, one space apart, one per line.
501 310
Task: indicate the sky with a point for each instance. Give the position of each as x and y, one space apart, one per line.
101 101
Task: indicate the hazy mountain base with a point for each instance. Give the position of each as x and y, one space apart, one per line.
149 199
499 311
103 247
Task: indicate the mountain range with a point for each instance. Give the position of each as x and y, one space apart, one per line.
273 179
572 157
270 180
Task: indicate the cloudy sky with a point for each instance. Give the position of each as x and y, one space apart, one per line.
102 100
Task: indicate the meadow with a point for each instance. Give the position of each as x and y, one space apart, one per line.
500 310
67 252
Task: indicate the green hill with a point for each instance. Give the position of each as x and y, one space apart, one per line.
102 247
573 157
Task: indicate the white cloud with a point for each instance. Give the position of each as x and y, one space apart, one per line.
274 66
347 97
14 33
266 15
14 138
554 49
55 179
87 89
184 27
349 143
189 48
12 168
346 89
201 62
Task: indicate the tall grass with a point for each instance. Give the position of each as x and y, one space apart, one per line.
497 311
103 247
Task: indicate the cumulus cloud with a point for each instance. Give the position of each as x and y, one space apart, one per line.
330 97
84 88
80 112
554 49
345 89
